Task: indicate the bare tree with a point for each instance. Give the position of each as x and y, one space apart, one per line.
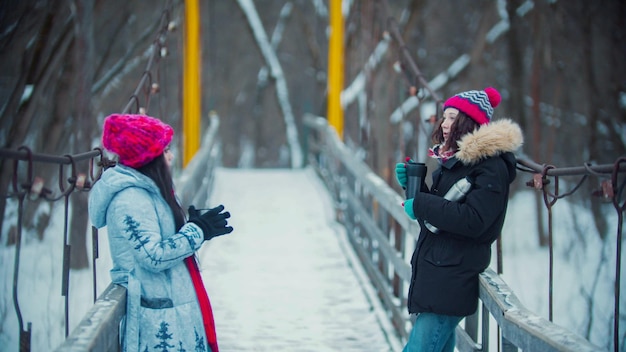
32 71
53 63
83 63
534 133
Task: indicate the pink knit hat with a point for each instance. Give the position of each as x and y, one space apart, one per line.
477 104
136 139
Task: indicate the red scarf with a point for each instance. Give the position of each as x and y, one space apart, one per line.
205 304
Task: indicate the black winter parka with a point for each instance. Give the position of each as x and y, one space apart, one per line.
446 264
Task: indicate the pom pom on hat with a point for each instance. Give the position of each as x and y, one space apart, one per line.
477 104
494 96
136 139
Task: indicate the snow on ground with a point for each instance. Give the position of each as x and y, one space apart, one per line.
281 281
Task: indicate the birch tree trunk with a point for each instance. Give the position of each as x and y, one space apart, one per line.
83 72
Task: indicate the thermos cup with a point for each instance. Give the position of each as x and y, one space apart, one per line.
416 174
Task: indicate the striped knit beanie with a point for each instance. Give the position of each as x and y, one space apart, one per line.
136 139
477 104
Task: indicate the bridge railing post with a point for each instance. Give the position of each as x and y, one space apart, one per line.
99 329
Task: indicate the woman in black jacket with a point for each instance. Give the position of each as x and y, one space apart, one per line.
454 244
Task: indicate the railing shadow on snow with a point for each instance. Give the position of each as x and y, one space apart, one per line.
382 236
98 331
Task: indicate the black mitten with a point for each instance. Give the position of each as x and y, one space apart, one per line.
213 222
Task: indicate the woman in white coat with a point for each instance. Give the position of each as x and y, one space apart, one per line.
152 243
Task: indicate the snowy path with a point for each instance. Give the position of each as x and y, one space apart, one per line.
285 279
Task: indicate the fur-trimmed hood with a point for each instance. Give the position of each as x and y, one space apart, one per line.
489 140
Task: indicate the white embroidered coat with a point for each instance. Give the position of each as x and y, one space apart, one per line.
162 308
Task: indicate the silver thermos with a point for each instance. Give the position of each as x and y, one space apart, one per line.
455 193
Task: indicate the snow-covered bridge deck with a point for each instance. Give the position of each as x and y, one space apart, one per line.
286 279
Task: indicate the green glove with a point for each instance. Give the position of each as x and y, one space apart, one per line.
408 208
401 174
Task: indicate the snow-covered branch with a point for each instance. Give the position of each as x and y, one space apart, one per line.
358 84
277 37
247 6
460 63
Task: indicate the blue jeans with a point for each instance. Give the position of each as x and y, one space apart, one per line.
433 333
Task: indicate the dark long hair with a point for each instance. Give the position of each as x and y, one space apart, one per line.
160 173
461 126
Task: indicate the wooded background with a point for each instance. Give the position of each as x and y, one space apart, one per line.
66 64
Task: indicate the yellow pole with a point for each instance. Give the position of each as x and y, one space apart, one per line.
335 68
192 108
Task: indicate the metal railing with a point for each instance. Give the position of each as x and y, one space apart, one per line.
25 186
98 331
383 236
194 184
